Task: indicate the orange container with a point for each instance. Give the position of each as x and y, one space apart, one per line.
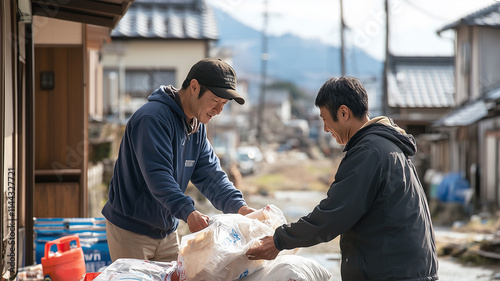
91 276
67 264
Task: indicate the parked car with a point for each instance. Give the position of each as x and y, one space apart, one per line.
248 159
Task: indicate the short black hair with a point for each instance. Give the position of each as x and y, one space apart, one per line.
203 89
344 90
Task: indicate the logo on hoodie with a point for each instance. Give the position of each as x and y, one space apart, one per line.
189 163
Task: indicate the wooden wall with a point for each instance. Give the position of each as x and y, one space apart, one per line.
59 132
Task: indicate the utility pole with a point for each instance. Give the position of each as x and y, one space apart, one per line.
263 76
385 87
342 42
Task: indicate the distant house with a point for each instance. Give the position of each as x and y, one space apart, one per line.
155 43
420 91
472 129
276 111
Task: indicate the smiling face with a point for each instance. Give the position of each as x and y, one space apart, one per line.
336 128
207 106
202 107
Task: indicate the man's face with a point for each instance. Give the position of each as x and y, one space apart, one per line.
208 106
336 128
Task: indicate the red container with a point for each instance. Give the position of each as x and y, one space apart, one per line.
67 264
91 276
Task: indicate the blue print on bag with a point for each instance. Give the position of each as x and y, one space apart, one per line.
233 237
244 274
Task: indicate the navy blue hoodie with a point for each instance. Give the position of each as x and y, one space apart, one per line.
157 159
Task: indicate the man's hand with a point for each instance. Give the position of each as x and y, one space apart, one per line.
197 221
245 210
265 251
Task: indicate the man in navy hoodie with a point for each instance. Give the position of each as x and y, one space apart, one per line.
164 147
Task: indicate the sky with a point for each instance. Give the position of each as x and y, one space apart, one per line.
413 23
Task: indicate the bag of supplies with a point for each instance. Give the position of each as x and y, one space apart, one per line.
139 270
291 268
217 253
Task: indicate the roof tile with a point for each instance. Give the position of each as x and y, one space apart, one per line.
172 19
421 82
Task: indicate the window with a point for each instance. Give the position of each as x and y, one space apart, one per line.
465 53
492 157
140 83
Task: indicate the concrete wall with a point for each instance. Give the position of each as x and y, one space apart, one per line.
167 55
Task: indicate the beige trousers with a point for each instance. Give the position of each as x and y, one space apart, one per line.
125 244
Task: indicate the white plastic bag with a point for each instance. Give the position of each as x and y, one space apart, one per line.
291 268
135 269
217 253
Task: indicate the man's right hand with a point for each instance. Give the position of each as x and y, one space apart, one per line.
197 221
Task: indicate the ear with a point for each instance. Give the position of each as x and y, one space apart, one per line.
194 86
344 112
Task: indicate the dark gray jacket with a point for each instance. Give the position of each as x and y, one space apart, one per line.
379 208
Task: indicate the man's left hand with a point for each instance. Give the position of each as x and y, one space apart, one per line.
245 210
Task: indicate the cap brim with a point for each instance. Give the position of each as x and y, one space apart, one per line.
225 93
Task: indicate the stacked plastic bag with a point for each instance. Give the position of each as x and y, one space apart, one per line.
135 269
217 253
290 268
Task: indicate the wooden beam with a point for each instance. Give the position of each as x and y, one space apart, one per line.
93 7
48 11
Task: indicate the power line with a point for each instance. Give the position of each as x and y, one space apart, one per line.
424 11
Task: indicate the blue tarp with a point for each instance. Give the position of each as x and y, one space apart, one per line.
453 188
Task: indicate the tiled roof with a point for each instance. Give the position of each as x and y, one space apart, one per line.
168 19
493 94
466 114
471 111
489 16
421 82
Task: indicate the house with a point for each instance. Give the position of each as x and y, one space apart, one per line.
420 91
471 131
155 44
49 56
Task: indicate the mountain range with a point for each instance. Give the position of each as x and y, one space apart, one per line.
307 63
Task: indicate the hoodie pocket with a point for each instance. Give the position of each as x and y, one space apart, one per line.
362 266
362 262
352 268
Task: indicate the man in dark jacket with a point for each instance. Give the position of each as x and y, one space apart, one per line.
164 147
376 203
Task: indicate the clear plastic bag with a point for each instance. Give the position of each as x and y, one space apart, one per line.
270 215
291 268
140 270
217 253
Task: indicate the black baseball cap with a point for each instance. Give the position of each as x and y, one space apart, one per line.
218 76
